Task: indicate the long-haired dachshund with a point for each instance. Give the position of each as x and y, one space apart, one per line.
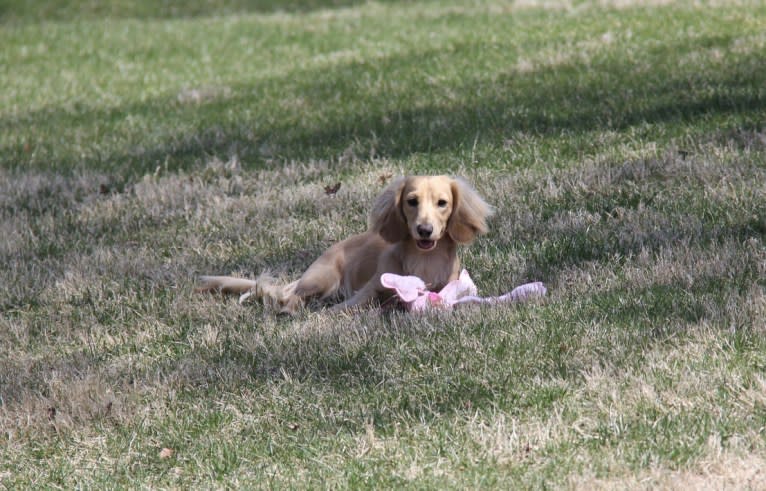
414 228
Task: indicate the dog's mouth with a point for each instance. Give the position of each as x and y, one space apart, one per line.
425 245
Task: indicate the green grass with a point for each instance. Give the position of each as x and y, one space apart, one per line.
624 148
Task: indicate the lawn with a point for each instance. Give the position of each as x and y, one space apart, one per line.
621 142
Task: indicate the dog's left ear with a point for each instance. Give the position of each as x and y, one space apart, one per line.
386 217
469 213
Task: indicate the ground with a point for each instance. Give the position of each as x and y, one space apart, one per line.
622 144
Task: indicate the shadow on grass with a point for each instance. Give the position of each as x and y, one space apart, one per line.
337 112
76 10
426 368
613 243
385 369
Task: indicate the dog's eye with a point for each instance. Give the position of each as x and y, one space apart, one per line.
441 203
412 202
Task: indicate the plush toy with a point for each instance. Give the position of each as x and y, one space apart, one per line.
415 296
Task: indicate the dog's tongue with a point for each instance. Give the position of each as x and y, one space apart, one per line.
426 244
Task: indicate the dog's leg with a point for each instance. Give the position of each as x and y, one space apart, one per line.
367 294
321 279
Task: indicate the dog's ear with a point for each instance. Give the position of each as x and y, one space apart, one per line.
386 217
469 213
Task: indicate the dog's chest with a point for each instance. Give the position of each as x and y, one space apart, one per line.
435 269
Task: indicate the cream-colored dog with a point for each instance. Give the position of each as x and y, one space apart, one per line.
414 229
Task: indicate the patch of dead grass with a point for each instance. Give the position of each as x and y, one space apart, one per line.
717 470
686 378
98 299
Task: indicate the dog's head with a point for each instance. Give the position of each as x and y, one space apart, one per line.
425 209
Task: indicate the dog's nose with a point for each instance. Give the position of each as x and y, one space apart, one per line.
425 231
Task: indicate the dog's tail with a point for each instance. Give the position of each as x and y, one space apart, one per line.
277 296
225 284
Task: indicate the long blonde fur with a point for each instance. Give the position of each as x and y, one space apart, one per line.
414 228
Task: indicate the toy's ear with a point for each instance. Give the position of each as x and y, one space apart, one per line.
386 217
469 213
408 288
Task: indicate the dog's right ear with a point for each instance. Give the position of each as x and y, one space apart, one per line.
386 217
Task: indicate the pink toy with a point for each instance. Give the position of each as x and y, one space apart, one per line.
415 296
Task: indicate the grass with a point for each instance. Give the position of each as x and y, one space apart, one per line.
622 144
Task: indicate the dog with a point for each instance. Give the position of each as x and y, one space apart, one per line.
414 228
